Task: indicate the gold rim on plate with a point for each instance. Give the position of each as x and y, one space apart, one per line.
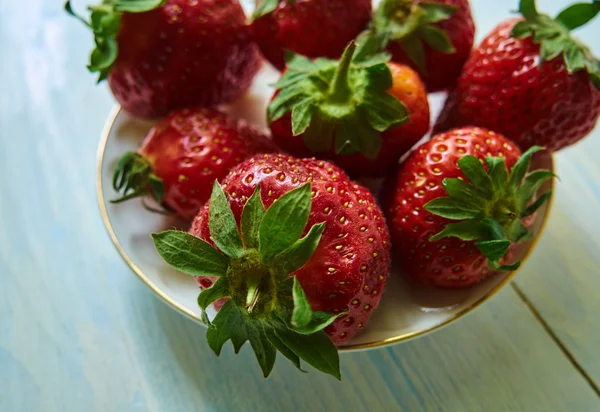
185 311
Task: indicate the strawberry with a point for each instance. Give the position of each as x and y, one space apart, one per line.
183 154
363 114
531 81
433 37
164 55
313 28
455 210
298 295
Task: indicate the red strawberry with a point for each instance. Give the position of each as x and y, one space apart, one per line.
433 37
358 118
338 269
313 28
443 227
183 155
531 81
165 55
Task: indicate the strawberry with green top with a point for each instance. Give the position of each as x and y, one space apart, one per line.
312 28
182 156
456 212
434 37
361 112
531 80
162 55
300 253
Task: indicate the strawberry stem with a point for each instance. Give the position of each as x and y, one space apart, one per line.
339 90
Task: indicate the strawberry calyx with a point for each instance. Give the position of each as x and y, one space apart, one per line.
133 177
104 21
265 305
554 35
490 208
344 103
412 24
264 7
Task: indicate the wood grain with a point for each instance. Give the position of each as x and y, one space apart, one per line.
78 332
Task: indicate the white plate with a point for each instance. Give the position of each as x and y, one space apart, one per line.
406 310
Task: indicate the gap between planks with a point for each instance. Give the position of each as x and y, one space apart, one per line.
538 316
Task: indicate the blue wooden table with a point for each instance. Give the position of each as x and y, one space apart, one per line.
78 332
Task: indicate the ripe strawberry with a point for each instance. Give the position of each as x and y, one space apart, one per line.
443 228
313 28
165 55
183 155
284 290
353 112
531 81
433 37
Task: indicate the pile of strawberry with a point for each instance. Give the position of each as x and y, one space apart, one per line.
293 253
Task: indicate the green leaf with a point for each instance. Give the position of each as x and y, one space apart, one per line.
228 325
284 350
354 134
252 216
264 7
435 12
284 222
301 116
507 268
131 177
575 59
263 349
413 48
219 289
551 48
532 208
379 80
578 15
531 184
521 30
517 231
527 9
69 10
497 172
318 321
294 257
221 222
521 167
157 187
494 250
437 39
189 254
302 313
493 229
384 111
104 55
284 102
463 192
369 45
318 136
474 171
452 209
300 63
466 230
316 349
290 78
137 6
